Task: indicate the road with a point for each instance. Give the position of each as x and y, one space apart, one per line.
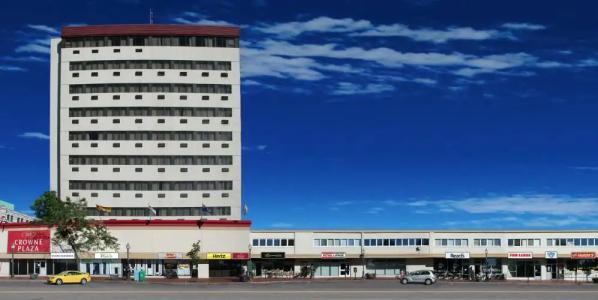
379 289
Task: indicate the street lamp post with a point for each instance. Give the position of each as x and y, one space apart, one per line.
128 246
12 261
486 263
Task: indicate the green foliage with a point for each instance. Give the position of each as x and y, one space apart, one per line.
71 225
193 254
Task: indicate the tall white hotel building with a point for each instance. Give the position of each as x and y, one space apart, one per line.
147 116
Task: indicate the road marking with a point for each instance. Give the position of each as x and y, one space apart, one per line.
70 291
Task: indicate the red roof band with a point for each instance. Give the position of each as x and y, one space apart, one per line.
157 222
149 30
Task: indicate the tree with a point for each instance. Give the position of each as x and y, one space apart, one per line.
193 255
72 228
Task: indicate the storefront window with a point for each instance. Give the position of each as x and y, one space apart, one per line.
524 268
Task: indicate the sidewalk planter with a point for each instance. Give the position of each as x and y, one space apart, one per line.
33 276
595 280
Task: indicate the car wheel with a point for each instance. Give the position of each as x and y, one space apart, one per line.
428 281
58 281
404 281
83 281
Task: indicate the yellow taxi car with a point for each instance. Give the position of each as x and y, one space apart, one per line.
69 277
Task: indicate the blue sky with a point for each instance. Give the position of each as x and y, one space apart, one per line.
367 114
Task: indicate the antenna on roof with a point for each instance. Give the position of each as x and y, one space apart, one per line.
151 16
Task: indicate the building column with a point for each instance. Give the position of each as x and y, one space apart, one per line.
203 271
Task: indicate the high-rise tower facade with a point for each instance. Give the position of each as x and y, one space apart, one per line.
145 120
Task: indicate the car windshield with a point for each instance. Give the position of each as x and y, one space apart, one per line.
62 273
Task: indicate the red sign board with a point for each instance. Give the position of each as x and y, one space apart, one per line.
520 255
583 255
240 256
29 241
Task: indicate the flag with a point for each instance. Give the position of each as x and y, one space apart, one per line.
151 209
105 209
245 209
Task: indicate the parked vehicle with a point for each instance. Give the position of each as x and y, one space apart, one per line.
69 277
426 277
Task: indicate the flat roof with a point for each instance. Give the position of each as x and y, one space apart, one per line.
149 30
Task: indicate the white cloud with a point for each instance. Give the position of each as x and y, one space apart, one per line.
250 82
425 81
348 88
29 58
35 135
189 17
586 168
590 62
536 204
281 225
320 24
44 28
9 68
41 45
523 26
433 35
374 210
323 24
255 148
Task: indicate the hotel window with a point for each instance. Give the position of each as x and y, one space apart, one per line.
183 97
138 121
224 75
205 97
184 170
224 195
116 195
183 145
205 121
75 121
94 74
184 195
75 74
94 97
94 195
94 169
75 194
205 145
161 121
75 98
255 242
94 51
161 73
205 195
116 97
138 97
75 169
183 121
76 51
224 98
224 145
116 121
115 170
115 73
205 74
224 122
138 50
161 170
116 50
262 242
183 74
138 195
94 145
161 97
138 145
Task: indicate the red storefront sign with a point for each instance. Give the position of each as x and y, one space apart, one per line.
583 255
520 255
240 256
29 241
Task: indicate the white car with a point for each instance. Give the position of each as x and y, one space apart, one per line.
426 277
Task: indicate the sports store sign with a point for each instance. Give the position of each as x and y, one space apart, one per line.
29 241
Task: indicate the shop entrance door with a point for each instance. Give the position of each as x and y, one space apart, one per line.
39 267
554 271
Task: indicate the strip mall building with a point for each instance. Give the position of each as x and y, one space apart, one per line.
159 247
145 124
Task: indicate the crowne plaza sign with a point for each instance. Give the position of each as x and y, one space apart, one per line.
28 241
